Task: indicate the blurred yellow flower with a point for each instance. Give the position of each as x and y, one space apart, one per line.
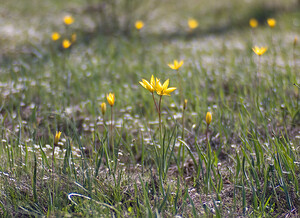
253 22
176 65
163 89
259 50
66 43
111 99
139 24
149 86
57 137
55 36
73 37
103 108
185 104
208 118
68 20
295 40
271 22
193 24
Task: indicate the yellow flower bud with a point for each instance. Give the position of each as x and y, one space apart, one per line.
73 37
55 36
111 99
185 104
68 20
192 23
253 22
271 22
66 43
103 108
295 41
208 118
57 137
139 24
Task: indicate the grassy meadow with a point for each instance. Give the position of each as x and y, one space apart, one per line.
131 157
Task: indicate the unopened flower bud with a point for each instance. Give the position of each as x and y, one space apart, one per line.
185 104
208 118
103 108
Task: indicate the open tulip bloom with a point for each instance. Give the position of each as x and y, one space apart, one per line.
271 22
155 85
192 23
176 65
259 50
253 22
160 89
139 24
163 89
149 86
68 20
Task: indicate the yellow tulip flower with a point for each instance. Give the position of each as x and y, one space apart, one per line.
139 24
57 137
111 99
253 22
68 20
176 65
149 86
192 23
259 50
55 36
66 43
103 108
163 89
73 37
208 118
271 22
185 104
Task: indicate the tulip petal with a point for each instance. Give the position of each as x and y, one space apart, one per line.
166 84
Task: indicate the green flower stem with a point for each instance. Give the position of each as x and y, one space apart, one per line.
207 142
180 86
159 116
53 187
111 133
182 138
157 109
